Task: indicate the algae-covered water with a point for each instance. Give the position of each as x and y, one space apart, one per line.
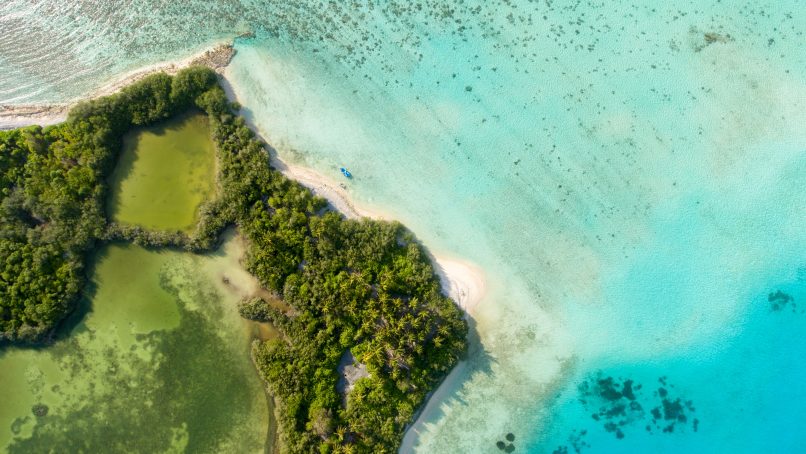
628 174
163 174
156 359
158 362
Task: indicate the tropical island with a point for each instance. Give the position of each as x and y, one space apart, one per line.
365 333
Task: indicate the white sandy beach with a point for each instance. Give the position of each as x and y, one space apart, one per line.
461 280
431 406
326 188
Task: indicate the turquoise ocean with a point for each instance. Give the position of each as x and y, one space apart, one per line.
629 176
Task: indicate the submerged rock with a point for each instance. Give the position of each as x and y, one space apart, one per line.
217 58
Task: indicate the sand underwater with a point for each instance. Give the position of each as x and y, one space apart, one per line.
628 176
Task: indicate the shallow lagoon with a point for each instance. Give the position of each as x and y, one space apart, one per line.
159 361
156 358
163 174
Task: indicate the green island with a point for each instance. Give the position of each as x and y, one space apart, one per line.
363 333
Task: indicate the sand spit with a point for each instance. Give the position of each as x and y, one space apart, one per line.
16 116
461 280
26 115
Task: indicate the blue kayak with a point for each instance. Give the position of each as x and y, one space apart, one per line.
345 172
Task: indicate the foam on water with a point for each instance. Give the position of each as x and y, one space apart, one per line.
627 174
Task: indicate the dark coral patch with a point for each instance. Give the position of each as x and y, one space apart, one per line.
618 404
779 301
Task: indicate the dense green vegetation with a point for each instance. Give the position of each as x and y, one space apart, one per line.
363 287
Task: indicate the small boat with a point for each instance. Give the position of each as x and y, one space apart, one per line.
345 172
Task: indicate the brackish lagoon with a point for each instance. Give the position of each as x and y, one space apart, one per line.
163 174
156 358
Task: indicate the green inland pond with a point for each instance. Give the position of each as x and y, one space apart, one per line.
158 362
163 174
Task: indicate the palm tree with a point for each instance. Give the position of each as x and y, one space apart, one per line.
340 432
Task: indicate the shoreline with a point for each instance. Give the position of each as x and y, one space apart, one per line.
216 57
461 280
412 432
